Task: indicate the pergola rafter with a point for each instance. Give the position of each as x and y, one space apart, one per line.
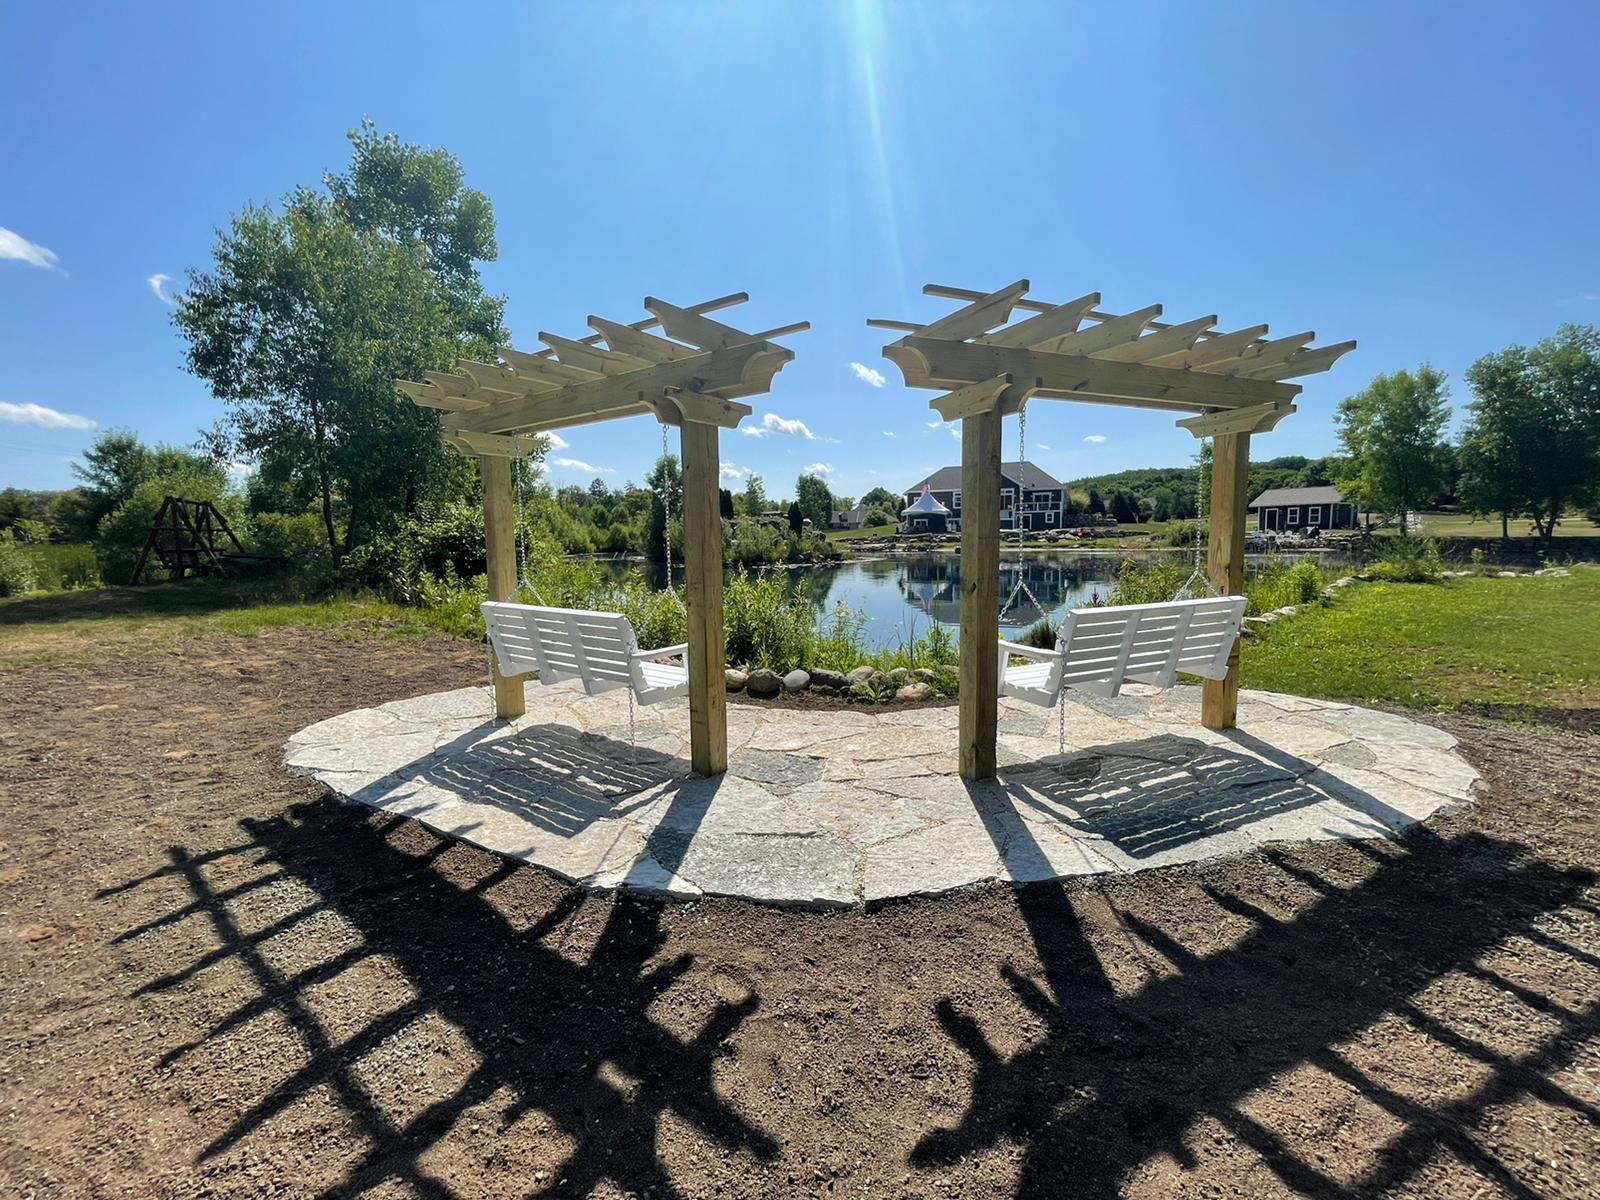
691 378
1232 383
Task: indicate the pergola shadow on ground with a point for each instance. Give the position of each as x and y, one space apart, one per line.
584 1027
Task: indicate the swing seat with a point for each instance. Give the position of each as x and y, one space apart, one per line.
574 643
1100 649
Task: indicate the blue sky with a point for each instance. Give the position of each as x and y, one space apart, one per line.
1421 178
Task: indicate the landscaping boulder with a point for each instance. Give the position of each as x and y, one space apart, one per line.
924 674
796 681
860 675
835 680
916 691
763 684
897 678
735 678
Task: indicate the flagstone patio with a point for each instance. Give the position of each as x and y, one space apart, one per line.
825 807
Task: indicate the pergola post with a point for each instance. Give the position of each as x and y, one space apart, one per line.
980 592
500 544
1230 469
702 569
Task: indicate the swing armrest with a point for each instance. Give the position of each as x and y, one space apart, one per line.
1032 652
678 651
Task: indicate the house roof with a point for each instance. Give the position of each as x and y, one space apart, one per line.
948 479
925 504
1276 497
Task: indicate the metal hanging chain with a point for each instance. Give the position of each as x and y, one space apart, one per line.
1202 553
1021 585
666 506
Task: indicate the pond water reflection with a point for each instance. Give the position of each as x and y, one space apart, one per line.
906 593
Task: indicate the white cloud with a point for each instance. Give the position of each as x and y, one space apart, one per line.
955 431
888 433
557 442
1042 446
238 470
772 423
15 246
38 414
868 375
934 424
577 464
157 283
1096 438
818 469
729 471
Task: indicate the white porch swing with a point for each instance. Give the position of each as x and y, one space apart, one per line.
597 648
1098 649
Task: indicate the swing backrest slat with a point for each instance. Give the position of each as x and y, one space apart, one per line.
1102 648
562 643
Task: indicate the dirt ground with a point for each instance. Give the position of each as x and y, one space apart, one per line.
214 981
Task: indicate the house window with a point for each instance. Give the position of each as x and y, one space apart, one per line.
1050 518
955 501
920 523
1314 515
1294 519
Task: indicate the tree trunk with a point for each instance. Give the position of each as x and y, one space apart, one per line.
1505 527
325 487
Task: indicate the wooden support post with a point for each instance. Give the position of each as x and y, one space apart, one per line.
980 592
702 570
1230 468
500 544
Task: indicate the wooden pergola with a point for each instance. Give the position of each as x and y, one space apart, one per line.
1233 382
692 378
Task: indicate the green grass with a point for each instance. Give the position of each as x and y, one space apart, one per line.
1455 524
67 627
866 531
1533 641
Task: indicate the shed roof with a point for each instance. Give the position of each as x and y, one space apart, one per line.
1278 497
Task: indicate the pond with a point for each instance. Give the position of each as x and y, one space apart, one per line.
904 594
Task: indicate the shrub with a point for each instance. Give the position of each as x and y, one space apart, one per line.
16 566
839 643
64 566
1277 584
1152 584
1408 560
298 536
1187 533
767 625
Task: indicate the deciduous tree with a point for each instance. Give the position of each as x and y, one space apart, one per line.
310 311
1393 433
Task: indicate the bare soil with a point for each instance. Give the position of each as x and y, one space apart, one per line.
214 981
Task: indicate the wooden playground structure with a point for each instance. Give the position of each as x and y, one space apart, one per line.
185 536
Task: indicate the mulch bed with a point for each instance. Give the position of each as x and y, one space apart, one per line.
214 981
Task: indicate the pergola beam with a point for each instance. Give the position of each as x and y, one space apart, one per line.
934 362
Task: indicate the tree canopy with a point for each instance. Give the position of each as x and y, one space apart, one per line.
1393 434
1531 445
311 310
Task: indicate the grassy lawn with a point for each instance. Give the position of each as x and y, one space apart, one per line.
78 626
1451 524
866 531
1529 641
